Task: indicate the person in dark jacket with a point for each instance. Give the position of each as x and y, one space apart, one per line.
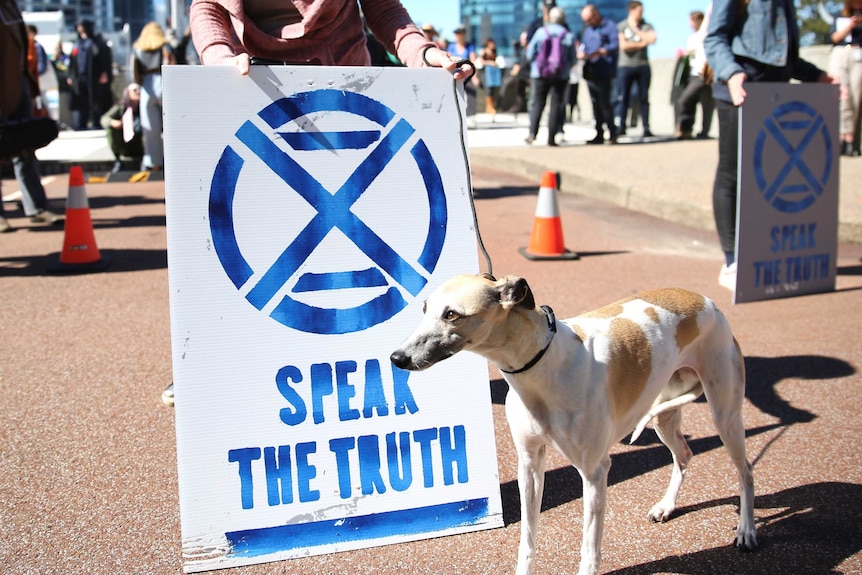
90 75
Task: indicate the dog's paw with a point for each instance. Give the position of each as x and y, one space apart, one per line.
746 539
660 512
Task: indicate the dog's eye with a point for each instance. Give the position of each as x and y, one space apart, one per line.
451 315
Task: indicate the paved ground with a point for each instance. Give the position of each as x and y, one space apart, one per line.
89 461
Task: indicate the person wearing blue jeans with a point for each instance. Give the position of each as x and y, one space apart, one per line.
633 68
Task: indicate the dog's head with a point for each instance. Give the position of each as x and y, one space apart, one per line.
466 312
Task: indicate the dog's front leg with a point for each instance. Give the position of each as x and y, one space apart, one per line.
595 500
531 484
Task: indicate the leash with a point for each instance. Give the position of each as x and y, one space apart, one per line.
552 327
465 152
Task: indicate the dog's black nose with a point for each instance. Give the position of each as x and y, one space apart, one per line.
400 359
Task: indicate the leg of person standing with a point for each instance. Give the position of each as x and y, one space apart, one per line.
724 191
539 88
644 76
687 106
855 97
625 80
557 110
707 108
151 121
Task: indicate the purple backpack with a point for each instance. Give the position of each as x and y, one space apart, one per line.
549 56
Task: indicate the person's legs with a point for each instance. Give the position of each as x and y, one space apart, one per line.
724 191
707 108
606 87
687 106
557 111
625 79
644 76
151 121
539 87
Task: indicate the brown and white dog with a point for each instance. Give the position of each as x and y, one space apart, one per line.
582 384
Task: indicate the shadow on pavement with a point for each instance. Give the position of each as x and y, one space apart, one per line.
812 529
121 261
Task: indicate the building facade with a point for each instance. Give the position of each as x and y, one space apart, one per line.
504 20
108 15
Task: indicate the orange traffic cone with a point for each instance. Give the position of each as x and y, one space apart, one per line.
546 239
80 253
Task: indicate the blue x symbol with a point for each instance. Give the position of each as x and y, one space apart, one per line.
333 211
814 187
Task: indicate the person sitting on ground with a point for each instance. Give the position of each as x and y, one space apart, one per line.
122 124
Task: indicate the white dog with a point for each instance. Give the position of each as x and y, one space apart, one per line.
582 384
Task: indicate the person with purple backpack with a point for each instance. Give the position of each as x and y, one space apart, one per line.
551 52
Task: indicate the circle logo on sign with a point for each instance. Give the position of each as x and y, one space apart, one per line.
332 211
796 129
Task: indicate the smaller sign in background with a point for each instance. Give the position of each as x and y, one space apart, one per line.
787 213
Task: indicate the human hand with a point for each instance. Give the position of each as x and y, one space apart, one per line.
116 124
828 79
241 61
437 58
737 91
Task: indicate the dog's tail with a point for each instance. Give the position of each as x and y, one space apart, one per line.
668 405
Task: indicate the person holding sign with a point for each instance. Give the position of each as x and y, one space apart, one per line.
745 44
319 32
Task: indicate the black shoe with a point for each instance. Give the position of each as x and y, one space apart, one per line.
647 133
598 140
553 144
847 148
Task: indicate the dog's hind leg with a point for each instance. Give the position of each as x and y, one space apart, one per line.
667 427
725 404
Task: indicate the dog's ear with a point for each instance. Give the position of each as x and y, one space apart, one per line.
487 276
515 291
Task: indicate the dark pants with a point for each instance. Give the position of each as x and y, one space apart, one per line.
120 147
541 87
724 188
695 91
627 77
603 111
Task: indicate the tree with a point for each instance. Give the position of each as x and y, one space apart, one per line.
815 20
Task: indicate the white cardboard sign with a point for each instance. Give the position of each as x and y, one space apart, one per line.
787 209
310 211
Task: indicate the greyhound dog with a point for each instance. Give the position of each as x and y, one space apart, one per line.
582 384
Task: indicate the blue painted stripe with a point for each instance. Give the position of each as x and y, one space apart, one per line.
340 280
305 141
405 522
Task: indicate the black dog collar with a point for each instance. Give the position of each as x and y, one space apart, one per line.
552 326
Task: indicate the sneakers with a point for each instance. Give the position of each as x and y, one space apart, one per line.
727 276
47 217
529 139
168 395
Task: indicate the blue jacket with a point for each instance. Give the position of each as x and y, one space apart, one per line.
606 36
568 45
766 36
